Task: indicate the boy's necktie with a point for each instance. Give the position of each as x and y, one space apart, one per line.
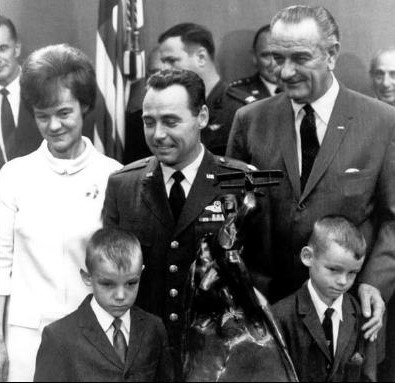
328 330
7 119
310 144
119 340
177 195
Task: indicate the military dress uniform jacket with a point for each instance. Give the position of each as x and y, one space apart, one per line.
252 85
222 102
136 201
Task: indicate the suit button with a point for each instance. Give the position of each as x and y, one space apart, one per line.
174 245
173 317
173 268
173 293
301 207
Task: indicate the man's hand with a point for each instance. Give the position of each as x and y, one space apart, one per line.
3 362
373 308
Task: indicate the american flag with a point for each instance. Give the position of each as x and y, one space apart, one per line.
119 63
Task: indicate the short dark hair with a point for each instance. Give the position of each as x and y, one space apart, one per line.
191 81
4 21
324 19
115 245
264 29
49 67
191 34
338 229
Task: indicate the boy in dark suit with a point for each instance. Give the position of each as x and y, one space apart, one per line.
107 338
321 322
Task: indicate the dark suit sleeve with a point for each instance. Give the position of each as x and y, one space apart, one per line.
380 268
165 371
50 361
237 142
110 209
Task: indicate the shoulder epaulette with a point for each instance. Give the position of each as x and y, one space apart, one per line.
240 95
139 164
241 82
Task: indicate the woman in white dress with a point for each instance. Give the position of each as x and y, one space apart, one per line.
50 204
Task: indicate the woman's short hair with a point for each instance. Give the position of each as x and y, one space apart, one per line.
48 68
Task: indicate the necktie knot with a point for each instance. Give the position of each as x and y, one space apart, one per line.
117 323
329 312
178 176
309 112
4 92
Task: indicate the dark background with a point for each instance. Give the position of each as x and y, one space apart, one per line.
365 25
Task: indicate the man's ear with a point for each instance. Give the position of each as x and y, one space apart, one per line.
86 278
18 49
254 58
202 56
306 256
333 54
203 117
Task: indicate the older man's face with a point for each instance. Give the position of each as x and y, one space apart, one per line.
9 53
304 65
383 77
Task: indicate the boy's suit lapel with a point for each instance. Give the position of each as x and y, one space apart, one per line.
310 319
346 331
135 339
95 335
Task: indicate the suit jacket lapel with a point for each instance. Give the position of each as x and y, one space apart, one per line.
287 135
346 330
95 335
310 318
154 194
200 195
338 125
137 332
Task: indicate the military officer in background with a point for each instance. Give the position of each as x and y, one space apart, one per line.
170 200
263 83
191 46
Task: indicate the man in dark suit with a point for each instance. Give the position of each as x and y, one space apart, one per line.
172 199
18 132
263 83
191 46
336 148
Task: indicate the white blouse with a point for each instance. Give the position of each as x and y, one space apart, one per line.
49 208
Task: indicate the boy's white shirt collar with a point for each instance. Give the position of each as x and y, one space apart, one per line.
321 307
105 320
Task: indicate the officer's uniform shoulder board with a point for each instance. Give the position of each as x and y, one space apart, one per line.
136 165
241 82
240 95
232 164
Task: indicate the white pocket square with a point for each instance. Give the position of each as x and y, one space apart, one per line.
352 170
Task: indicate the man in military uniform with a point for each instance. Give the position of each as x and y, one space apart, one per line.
191 46
263 83
172 199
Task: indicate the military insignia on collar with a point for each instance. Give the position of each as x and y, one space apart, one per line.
214 127
149 174
92 192
210 176
215 207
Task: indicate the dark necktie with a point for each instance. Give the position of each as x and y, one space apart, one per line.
119 340
328 330
7 119
310 145
177 195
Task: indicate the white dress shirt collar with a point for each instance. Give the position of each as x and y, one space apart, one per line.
323 107
270 86
321 307
105 320
189 172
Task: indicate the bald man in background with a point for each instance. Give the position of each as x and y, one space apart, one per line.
382 73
